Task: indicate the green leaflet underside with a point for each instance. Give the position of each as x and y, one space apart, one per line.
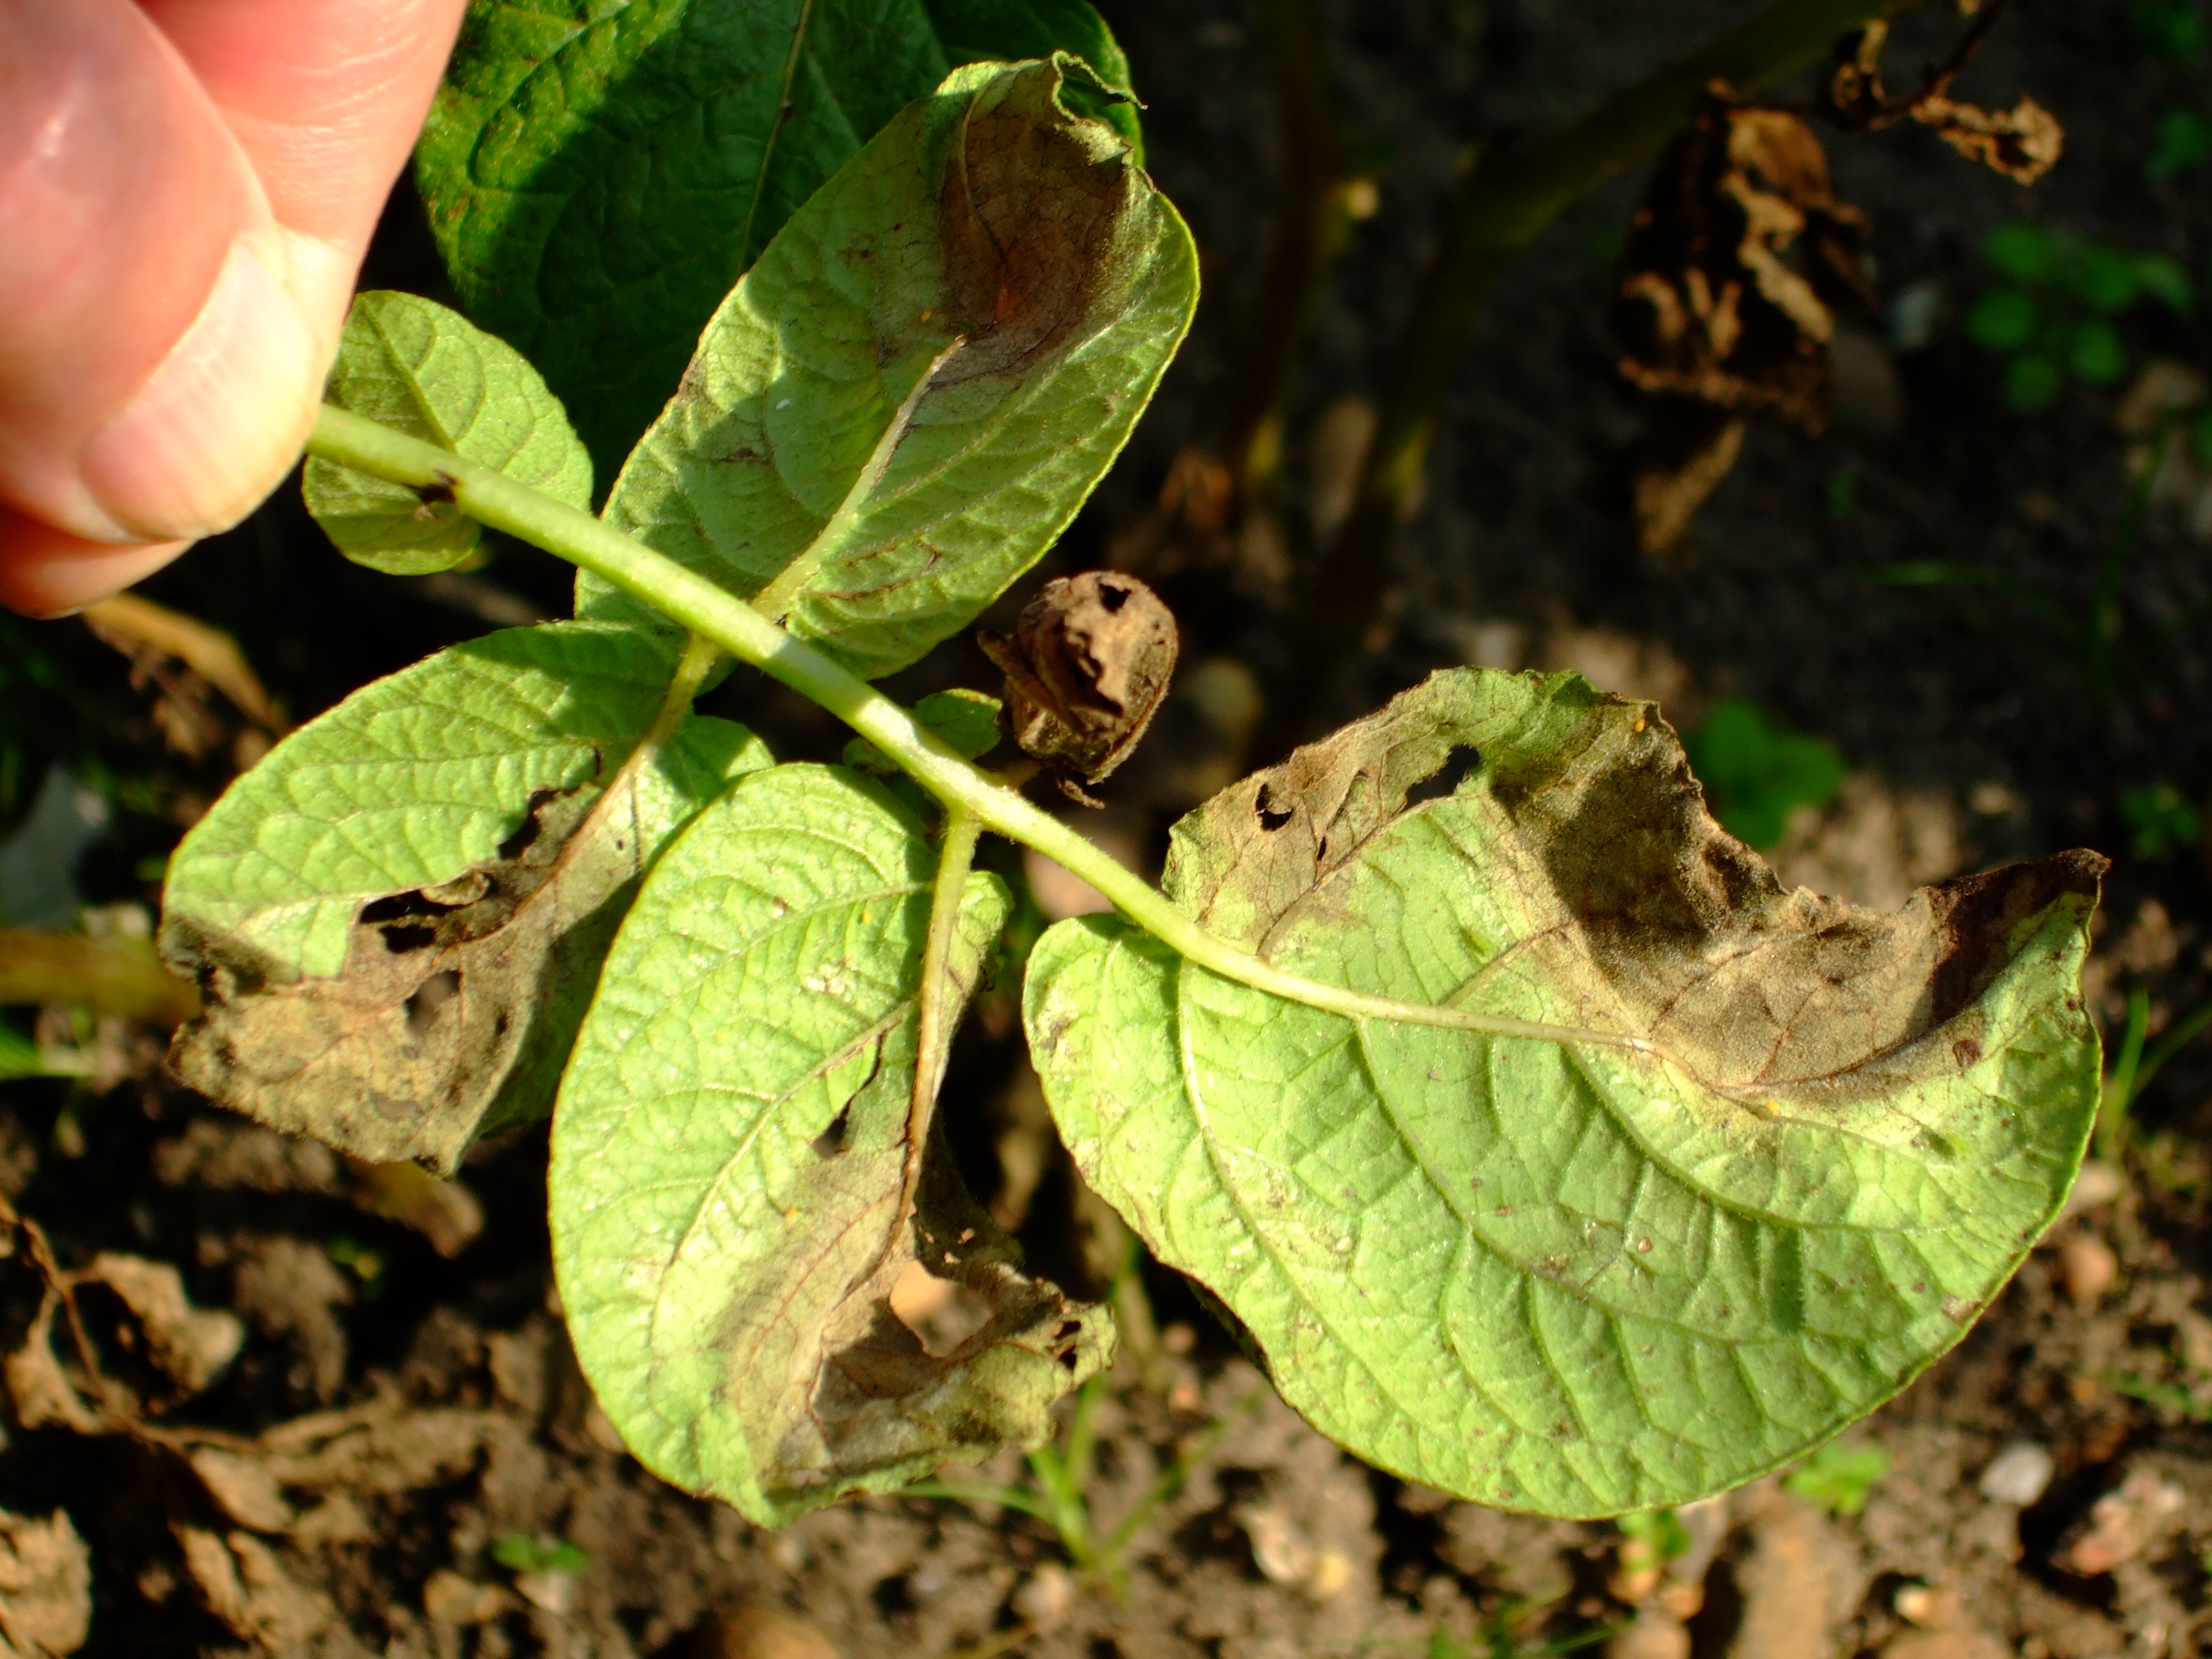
1576 1280
398 917
907 397
423 370
726 1170
598 176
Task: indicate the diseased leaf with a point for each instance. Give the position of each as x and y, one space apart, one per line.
396 918
906 399
598 177
1580 1279
423 370
727 1157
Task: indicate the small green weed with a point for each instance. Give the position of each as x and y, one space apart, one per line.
520 1552
2176 31
2160 821
2057 309
1840 1479
1757 771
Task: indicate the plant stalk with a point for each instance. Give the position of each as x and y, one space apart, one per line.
1503 200
933 1042
1314 213
492 498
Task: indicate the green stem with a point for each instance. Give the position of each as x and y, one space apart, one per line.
2172 1041
933 1025
1313 221
2120 1088
491 497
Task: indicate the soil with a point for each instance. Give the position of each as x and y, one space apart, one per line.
415 1466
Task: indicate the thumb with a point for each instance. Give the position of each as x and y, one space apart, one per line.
185 187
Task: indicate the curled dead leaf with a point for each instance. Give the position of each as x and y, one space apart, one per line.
2023 142
1741 256
1086 667
1688 449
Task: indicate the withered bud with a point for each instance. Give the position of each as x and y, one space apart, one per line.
1086 667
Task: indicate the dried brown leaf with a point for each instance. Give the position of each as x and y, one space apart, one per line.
1690 450
1741 254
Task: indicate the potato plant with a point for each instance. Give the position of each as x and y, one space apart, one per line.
1548 1151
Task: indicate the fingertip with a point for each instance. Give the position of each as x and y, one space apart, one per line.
219 423
48 573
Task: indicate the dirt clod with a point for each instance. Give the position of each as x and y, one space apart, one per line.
45 1586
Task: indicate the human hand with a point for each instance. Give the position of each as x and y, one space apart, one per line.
186 188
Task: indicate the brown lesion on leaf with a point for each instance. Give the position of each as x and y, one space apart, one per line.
942 1351
1034 222
410 1048
1659 924
457 1002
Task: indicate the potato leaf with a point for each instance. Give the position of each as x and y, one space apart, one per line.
396 918
726 1177
597 178
906 399
1581 1279
426 371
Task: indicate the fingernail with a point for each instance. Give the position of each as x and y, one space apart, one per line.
222 419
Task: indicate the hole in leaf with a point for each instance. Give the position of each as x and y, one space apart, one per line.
396 907
831 1140
412 936
1111 597
1463 762
1069 1329
527 832
1270 819
1068 1361
432 995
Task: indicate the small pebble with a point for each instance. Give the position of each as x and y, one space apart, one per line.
764 1633
450 1598
1044 1597
1959 1643
1926 1606
1650 1636
2088 1267
2020 1474
2097 1185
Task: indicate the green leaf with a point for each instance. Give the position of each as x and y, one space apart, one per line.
2031 383
967 720
1757 771
598 176
2104 280
396 918
423 370
1839 1478
727 1157
2174 29
2004 320
2184 144
2026 253
2164 279
1575 1278
2097 357
906 399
